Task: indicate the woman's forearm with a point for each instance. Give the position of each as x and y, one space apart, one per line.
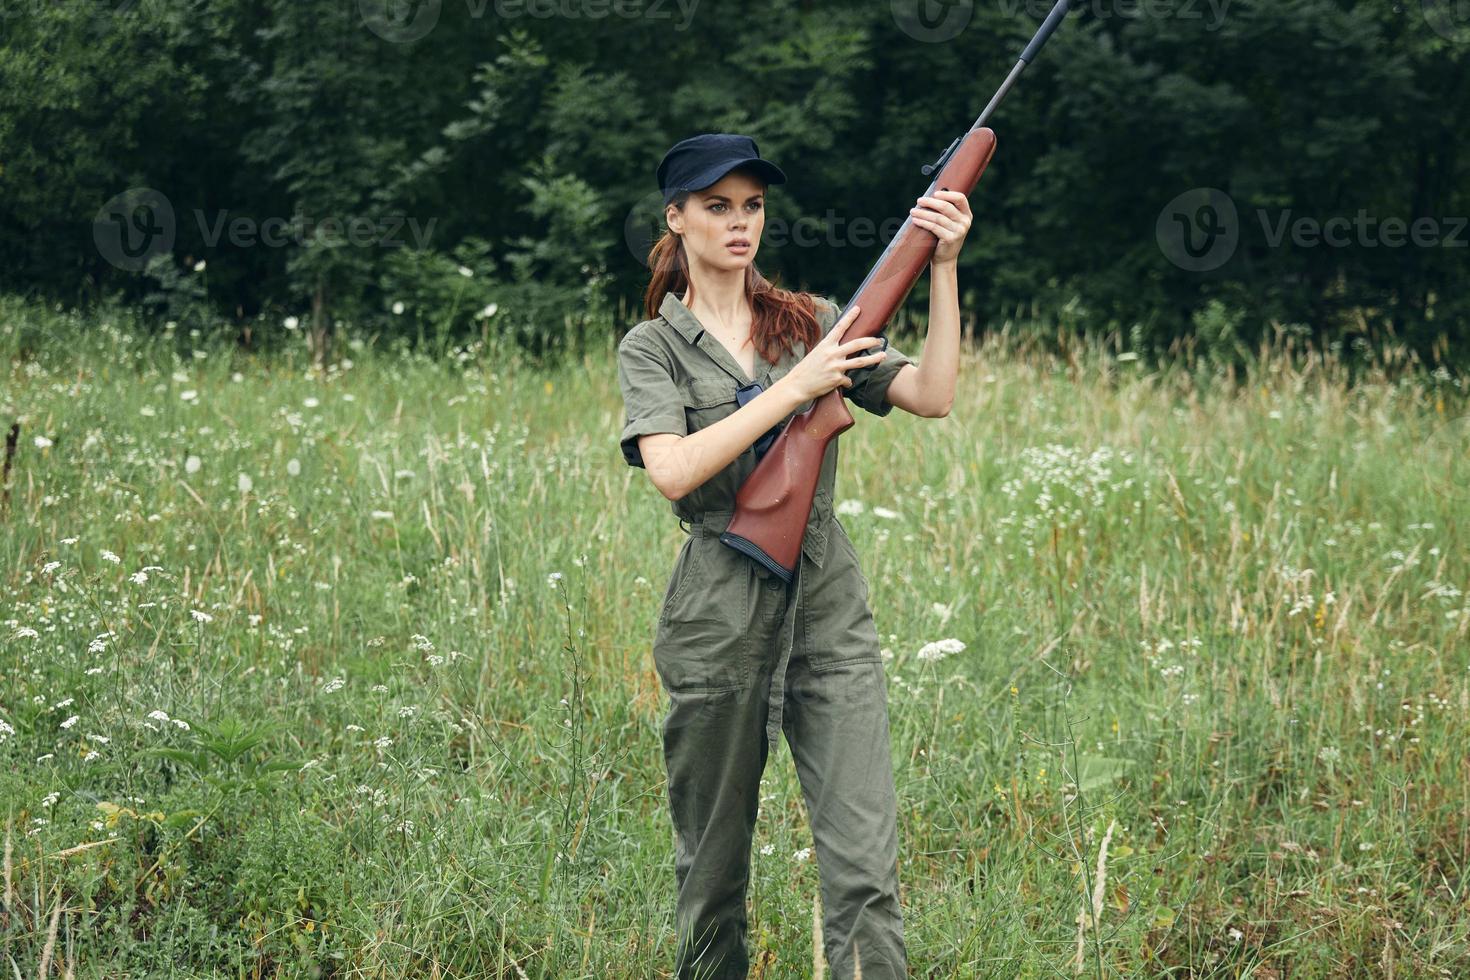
682 465
938 364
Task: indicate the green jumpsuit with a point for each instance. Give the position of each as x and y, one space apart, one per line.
744 656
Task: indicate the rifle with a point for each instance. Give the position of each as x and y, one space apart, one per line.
775 501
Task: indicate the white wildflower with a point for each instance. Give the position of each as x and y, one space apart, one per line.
939 649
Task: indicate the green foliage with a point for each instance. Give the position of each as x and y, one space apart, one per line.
530 139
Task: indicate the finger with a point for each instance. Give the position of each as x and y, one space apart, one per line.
859 343
844 321
933 215
957 198
841 324
945 208
938 226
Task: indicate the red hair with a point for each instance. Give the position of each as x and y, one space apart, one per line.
781 317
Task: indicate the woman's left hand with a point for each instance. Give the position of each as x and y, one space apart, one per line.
947 215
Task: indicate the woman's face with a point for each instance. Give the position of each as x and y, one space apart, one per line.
715 220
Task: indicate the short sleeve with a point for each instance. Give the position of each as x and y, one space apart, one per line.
869 384
651 400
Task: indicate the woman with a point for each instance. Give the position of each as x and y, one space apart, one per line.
742 654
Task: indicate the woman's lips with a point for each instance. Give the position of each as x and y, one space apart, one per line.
739 246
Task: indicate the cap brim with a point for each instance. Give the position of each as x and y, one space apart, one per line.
764 168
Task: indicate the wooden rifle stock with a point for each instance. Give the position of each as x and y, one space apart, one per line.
774 502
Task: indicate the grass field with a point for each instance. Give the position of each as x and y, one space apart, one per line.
347 674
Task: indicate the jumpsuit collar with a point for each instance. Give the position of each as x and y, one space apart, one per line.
687 324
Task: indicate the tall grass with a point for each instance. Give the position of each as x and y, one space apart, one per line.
346 672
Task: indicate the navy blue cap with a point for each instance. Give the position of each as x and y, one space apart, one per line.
699 161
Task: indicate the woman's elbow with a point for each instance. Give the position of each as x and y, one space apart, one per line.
660 457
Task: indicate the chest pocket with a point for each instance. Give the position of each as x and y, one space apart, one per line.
707 400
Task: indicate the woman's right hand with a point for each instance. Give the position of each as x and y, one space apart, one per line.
825 366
